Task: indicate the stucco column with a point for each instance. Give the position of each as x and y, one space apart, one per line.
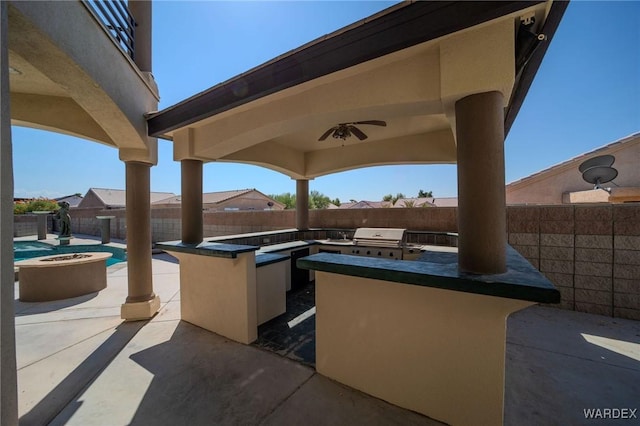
141 302
302 204
481 189
192 229
8 384
141 11
105 228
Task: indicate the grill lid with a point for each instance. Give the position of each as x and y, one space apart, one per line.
379 237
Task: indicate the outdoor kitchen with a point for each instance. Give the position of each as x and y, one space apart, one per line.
373 289
271 267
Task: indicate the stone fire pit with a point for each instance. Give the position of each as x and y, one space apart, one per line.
64 276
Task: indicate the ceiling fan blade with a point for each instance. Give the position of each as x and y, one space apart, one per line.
373 122
357 132
327 133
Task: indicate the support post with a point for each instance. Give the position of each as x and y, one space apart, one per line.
481 188
141 302
192 221
8 384
302 204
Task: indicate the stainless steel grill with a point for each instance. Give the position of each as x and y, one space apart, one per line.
380 237
385 243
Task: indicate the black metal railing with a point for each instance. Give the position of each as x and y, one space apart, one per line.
118 20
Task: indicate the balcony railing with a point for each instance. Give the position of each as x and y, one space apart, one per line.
118 20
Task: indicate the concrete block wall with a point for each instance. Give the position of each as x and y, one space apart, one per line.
435 219
590 252
593 281
84 221
242 222
626 262
27 224
166 224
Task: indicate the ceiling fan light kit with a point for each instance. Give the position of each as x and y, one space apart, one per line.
346 130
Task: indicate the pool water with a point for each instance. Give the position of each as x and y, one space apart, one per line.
23 250
20 246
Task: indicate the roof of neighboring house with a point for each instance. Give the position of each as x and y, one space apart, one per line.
445 201
414 202
365 205
208 197
574 162
345 205
118 197
217 197
417 202
73 199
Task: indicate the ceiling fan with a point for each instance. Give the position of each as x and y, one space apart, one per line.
345 130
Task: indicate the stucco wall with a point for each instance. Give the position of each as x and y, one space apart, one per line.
91 200
548 187
101 81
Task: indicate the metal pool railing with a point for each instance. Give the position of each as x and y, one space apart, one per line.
118 20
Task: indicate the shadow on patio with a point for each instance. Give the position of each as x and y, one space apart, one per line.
79 364
82 376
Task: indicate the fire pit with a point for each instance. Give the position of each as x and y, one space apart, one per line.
66 257
58 277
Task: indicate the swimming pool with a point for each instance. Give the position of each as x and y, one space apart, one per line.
29 249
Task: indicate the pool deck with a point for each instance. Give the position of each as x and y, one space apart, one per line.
80 364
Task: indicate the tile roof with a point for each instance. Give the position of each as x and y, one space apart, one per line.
414 202
210 197
118 197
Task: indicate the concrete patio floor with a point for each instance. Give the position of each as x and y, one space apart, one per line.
79 364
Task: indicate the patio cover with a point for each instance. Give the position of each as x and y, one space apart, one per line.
407 65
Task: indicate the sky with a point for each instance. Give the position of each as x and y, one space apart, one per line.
585 95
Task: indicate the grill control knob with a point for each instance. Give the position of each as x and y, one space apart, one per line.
379 253
368 252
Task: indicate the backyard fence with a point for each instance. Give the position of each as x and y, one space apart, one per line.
590 252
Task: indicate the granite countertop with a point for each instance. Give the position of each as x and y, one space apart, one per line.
439 269
230 251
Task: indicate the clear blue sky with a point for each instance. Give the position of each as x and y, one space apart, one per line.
586 95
